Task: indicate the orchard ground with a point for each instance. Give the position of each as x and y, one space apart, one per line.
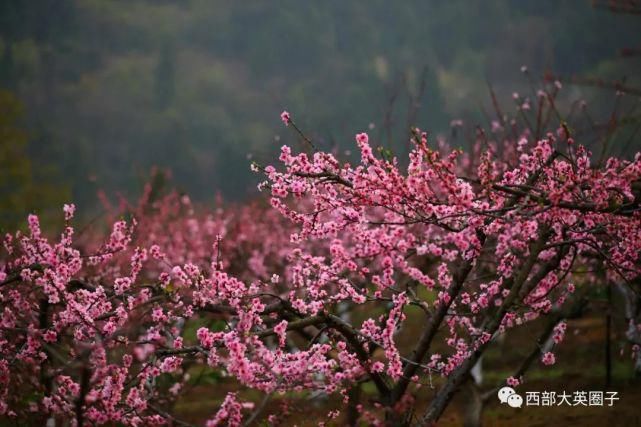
580 365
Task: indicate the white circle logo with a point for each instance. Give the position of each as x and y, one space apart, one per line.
515 401
508 395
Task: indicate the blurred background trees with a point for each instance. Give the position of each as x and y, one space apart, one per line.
24 187
111 88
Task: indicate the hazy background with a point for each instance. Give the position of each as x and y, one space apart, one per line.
96 92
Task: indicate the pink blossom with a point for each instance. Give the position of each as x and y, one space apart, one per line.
548 358
286 118
69 211
442 250
513 382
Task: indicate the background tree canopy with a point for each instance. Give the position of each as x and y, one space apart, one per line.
111 88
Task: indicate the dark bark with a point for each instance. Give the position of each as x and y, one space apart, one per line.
458 376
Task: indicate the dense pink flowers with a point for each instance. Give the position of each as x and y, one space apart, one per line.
314 292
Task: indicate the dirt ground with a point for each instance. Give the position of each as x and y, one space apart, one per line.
580 366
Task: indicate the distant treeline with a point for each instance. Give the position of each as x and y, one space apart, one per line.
110 88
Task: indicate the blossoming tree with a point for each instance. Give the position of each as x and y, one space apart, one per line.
317 292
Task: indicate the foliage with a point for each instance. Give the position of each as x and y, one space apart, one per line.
112 88
24 188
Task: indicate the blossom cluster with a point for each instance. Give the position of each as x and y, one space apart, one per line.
298 296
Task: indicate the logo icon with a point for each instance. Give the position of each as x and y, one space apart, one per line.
508 395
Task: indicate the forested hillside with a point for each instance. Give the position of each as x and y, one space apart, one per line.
110 88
